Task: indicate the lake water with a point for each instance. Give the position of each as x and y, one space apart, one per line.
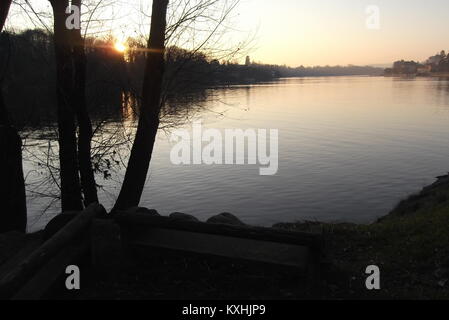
350 148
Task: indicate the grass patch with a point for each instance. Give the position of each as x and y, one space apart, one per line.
410 245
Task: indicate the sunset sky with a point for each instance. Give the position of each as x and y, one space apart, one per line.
320 32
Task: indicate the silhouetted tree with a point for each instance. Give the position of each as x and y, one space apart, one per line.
190 69
79 104
4 9
68 154
148 126
13 214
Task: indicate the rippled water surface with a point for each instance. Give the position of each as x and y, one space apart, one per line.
349 149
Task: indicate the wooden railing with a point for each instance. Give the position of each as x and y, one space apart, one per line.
30 275
50 259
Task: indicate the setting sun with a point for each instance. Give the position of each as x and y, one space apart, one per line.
120 47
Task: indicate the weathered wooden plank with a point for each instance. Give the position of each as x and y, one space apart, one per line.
46 277
13 280
142 221
22 254
10 244
106 246
288 255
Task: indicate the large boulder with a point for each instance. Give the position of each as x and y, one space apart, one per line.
139 210
226 218
178 216
57 223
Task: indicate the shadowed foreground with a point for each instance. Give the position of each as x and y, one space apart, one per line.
410 246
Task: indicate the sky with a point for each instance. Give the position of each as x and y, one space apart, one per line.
321 32
318 32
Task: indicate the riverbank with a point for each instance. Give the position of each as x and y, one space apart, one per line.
422 75
410 245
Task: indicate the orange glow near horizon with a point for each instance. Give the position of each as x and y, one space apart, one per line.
120 47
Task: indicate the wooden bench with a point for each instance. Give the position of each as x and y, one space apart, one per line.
301 251
34 270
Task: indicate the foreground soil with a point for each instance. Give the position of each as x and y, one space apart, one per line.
410 245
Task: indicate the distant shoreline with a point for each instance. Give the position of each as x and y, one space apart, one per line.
427 75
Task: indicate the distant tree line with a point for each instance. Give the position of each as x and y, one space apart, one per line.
325 71
31 68
30 81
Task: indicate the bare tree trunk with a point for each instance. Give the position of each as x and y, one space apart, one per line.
13 215
4 116
148 126
4 9
70 182
88 184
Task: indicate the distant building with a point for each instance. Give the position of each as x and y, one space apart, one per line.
248 61
422 70
405 67
436 63
436 59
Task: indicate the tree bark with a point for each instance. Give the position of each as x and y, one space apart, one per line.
4 115
4 9
88 183
71 198
13 215
148 126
